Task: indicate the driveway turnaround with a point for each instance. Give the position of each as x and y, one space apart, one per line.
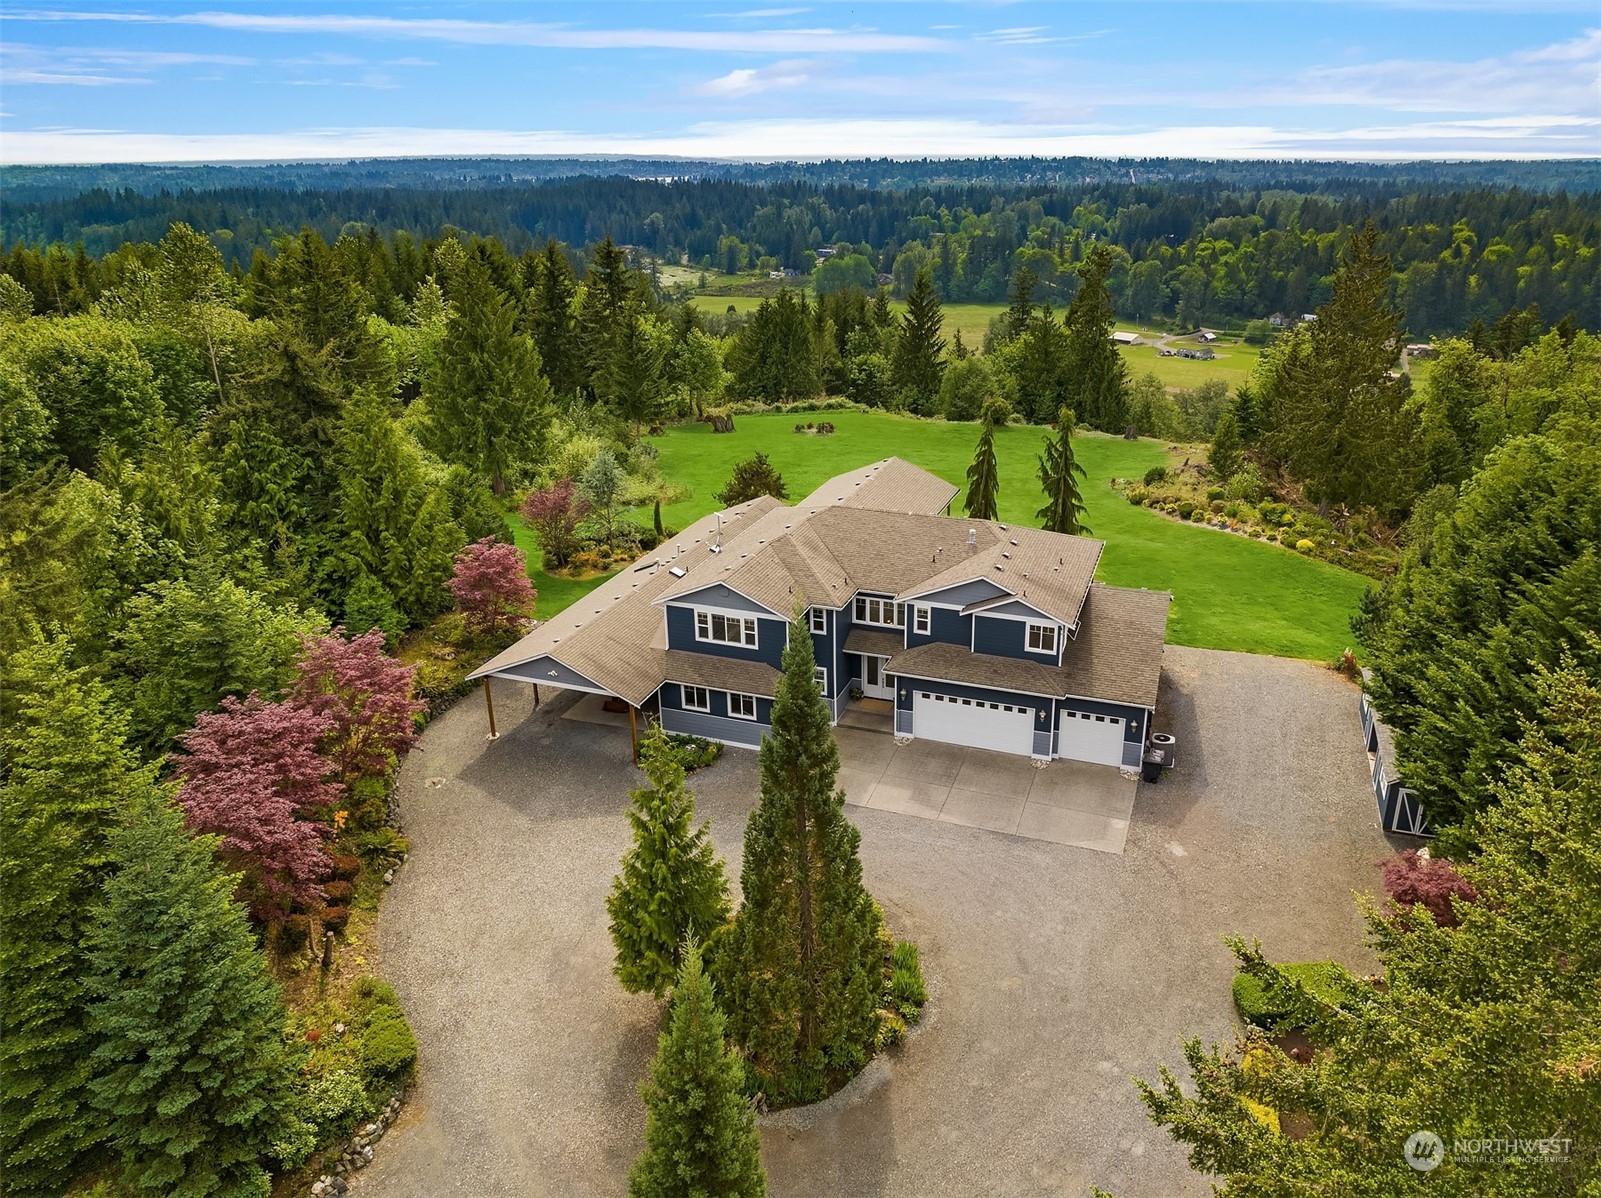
1065 802
1055 974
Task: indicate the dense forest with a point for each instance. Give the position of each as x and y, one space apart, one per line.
1231 245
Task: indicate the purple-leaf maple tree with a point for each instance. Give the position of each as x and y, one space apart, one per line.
1432 881
366 697
491 587
251 772
555 514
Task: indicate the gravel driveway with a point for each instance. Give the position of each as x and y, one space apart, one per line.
1055 973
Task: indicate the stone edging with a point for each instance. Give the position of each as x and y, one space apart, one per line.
356 1153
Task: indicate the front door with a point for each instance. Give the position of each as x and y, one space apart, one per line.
875 683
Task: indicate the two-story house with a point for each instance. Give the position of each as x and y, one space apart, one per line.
972 632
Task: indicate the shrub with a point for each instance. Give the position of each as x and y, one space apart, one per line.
1137 497
996 410
1155 475
1326 981
695 752
383 847
335 918
1430 882
369 803
1305 546
346 867
1247 484
294 931
1214 493
338 894
1272 512
1217 506
1186 510
1232 511
1198 514
891 1029
388 1049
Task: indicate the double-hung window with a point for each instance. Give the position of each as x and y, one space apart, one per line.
725 630
920 619
742 707
886 613
820 674
1042 638
819 619
696 698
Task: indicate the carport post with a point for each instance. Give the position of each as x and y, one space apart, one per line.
633 730
489 703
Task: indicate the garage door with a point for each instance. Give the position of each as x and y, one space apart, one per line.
1085 736
1004 727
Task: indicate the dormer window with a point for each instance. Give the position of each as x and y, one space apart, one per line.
725 630
1042 638
886 613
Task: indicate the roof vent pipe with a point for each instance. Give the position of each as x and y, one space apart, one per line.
972 537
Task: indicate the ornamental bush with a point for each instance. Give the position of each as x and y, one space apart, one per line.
1325 981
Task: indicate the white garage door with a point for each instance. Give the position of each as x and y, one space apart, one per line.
1004 727
1084 736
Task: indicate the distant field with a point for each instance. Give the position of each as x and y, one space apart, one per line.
1233 364
1229 592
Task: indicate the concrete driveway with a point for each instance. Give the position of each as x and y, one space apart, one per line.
1064 802
1055 974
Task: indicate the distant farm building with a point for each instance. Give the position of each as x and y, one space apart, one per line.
1125 338
1207 337
1422 352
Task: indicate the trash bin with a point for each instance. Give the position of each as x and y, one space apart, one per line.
1155 761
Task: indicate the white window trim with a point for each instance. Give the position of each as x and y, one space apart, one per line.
1056 637
684 689
750 628
922 619
897 612
820 676
740 715
819 615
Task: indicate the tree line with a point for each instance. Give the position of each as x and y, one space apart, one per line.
1195 251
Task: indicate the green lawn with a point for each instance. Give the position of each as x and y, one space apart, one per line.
970 319
1233 364
555 591
1229 592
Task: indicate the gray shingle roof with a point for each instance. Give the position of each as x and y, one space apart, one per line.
879 644
1117 655
721 673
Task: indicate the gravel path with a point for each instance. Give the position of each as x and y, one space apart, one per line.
1056 973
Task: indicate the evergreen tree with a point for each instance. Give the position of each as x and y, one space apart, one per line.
488 402
396 526
774 357
66 777
1225 456
1334 415
1021 301
700 1131
191 1069
549 320
609 299
633 378
1098 383
1059 475
752 477
983 481
918 362
800 966
672 885
1038 363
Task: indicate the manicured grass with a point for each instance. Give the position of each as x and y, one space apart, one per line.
970 319
1233 364
1229 592
555 591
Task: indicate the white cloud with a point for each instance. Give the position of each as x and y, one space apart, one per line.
524 33
749 81
94 66
1530 138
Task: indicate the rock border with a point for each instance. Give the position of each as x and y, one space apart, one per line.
356 1153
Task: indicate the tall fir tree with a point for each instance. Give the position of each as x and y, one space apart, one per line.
191 1070
672 886
1059 474
549 319
489 405
633 379
700 1130
1098 382
609 298
1020 301
1334 414
919 359
66 776
397 527
800 966
1225 456
983 480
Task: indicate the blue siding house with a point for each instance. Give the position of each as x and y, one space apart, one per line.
970 632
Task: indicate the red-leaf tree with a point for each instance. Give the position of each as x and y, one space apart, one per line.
490 583
1432 881
366 697
555 514
251 772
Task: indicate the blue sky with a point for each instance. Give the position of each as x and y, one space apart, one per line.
171 81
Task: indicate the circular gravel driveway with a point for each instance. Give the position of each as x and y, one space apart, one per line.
1055 973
